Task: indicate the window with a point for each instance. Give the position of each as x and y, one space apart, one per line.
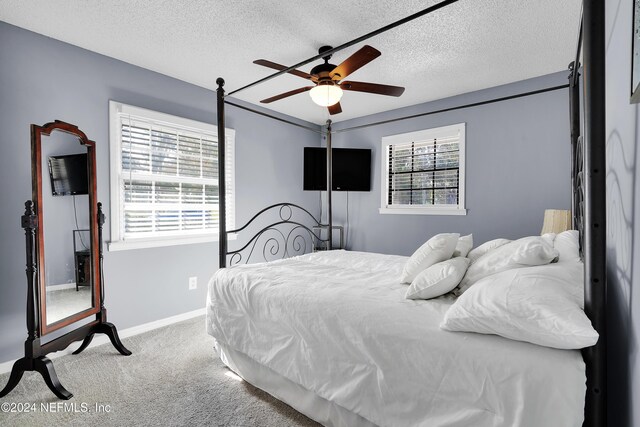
423 172
164 179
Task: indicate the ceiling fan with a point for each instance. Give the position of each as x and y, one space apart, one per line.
328 79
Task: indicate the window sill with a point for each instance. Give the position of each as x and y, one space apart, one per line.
125 245
423 211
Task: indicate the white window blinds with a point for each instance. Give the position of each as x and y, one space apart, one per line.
168 176
423 171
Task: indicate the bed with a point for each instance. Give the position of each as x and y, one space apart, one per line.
354 351
331 334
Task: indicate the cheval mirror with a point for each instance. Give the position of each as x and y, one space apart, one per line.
64 191
63 231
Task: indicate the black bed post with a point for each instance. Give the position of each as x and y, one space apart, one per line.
595 208
329 186
222 201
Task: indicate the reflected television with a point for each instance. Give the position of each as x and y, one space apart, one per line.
69 176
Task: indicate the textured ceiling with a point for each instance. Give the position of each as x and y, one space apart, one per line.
467 46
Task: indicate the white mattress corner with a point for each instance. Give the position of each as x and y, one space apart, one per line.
337 324
313 406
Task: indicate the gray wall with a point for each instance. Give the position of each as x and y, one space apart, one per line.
41 80
623 303
517 165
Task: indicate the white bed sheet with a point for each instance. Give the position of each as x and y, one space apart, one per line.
337 324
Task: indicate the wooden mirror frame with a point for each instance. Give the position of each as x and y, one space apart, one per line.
36 179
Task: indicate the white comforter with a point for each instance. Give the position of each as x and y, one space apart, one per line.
337 323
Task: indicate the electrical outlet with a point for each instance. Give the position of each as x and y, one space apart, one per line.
193 283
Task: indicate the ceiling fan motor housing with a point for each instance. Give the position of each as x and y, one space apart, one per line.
323 71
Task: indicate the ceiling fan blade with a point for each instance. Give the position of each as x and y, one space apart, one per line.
286 94
335 109
372 88
279 67
359 59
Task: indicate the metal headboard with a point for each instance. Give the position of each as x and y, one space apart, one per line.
289 234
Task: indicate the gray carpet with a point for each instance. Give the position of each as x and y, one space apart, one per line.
173 378
65 302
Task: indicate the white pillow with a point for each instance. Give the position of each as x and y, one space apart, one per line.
438 279
486 247
540 305
525 252
438 248
464 245
568 246
549 237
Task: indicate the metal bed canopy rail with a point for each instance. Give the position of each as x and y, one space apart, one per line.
397 119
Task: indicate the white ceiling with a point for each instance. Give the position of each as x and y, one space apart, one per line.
467 46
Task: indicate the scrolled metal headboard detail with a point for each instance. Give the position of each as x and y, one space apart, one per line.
578 178
290 235
578 192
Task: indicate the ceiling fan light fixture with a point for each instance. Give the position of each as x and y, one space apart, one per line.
326 95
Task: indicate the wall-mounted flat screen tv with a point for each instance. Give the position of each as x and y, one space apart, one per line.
69 174
351 169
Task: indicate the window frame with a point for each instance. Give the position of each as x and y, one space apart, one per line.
116 111
426 134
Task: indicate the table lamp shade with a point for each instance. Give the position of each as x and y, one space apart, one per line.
556 221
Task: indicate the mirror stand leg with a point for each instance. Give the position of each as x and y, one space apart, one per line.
18 369
42 365
46 369
110 330
85 344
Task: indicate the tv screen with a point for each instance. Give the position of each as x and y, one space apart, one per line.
69 175
351 169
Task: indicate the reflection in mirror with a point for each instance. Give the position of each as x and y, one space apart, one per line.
67 240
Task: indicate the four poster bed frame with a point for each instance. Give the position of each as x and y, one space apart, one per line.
587 176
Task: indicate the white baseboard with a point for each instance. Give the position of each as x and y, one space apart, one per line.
125 333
